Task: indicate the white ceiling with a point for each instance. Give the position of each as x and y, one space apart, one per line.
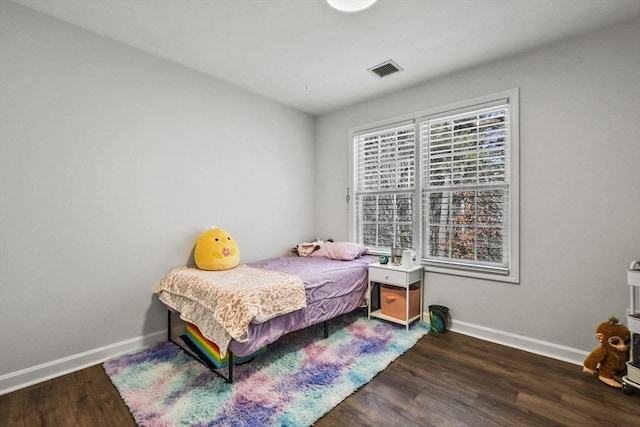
309 56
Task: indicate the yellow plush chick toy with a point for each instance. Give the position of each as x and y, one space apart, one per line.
216 250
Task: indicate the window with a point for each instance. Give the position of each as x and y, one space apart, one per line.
385 186
444 183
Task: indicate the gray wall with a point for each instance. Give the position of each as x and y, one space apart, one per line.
112 163
579 188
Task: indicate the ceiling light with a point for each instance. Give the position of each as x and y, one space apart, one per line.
350 5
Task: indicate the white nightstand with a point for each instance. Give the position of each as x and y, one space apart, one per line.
398 277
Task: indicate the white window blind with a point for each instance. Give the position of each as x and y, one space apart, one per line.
465 188
385 178
385 159
443 182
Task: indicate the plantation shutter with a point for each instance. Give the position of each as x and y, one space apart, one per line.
465 187
385 177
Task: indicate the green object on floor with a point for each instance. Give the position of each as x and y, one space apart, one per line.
438 318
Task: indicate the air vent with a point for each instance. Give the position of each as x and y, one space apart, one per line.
386 68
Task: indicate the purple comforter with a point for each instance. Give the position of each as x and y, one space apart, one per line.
332 288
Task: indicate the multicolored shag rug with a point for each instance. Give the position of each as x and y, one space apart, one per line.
301 377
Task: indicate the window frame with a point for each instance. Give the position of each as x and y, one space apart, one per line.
512 273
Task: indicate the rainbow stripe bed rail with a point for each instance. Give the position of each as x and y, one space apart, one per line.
207 352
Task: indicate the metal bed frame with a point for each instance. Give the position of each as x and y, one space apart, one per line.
197 355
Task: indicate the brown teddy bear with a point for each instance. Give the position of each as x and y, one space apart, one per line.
609 360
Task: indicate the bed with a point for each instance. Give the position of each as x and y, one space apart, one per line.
333 283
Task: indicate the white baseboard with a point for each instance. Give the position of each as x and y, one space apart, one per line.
46 371
532 345
26 377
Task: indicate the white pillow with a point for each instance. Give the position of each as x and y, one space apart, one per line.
343 251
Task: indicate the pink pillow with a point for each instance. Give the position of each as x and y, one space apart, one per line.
344 251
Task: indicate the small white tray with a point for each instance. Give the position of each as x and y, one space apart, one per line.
633 323
633 373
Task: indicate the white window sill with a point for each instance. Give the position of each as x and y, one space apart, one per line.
507 278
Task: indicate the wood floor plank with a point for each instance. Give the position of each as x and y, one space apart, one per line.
446 380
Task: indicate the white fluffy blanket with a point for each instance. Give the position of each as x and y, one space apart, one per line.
222 304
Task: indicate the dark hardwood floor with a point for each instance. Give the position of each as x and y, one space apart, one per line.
445 380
